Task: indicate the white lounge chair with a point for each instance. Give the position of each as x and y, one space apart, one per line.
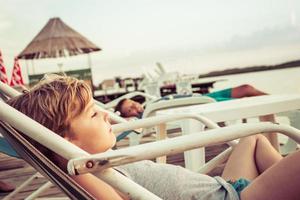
154 105
78 159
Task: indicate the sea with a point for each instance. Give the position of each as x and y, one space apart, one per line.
281 81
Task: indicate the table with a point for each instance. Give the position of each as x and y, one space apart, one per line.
230 110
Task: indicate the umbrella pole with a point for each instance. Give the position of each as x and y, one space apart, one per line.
27 67
27 70
89 61
32 64
90 66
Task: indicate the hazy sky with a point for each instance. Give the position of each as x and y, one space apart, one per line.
189 36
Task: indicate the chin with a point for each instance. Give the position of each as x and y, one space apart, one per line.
114 142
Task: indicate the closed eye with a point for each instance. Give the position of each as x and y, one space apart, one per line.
94 114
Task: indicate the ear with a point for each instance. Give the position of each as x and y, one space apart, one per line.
68 137
72 140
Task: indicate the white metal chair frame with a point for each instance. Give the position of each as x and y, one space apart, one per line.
173 103
81 162
151 109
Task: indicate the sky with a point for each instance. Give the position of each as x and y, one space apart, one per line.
188 36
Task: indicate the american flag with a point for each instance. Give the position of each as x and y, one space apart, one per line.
16 77
3 76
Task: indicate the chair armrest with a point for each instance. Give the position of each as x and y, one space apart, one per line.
152 121
172 103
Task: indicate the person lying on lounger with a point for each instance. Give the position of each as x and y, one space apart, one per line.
131 108
255 170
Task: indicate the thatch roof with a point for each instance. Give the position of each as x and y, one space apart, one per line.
57 39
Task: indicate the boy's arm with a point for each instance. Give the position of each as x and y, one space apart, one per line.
98 188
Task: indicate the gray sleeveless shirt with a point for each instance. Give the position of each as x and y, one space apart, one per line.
171 182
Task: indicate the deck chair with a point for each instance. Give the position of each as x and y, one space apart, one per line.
78 159
153 105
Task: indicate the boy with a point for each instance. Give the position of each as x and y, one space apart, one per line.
65 105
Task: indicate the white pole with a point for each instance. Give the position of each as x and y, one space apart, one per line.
176 145
153 121
9 91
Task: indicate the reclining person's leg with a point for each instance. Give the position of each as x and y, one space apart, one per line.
272 137
245 91
249 91
251 157
281 181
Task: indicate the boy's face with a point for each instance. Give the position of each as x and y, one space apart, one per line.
131 108
91 130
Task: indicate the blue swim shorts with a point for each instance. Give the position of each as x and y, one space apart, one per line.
239 185
221 95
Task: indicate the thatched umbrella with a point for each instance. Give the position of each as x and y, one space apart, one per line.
57 39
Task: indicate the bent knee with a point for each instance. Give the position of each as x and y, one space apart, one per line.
260 137
249 141
247 87
252 140
249 90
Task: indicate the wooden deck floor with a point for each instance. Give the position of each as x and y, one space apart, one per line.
16 171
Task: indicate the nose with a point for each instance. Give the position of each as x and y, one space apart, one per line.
141 109
138 107
106 116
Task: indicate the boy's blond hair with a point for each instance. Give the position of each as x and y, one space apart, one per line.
54 102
